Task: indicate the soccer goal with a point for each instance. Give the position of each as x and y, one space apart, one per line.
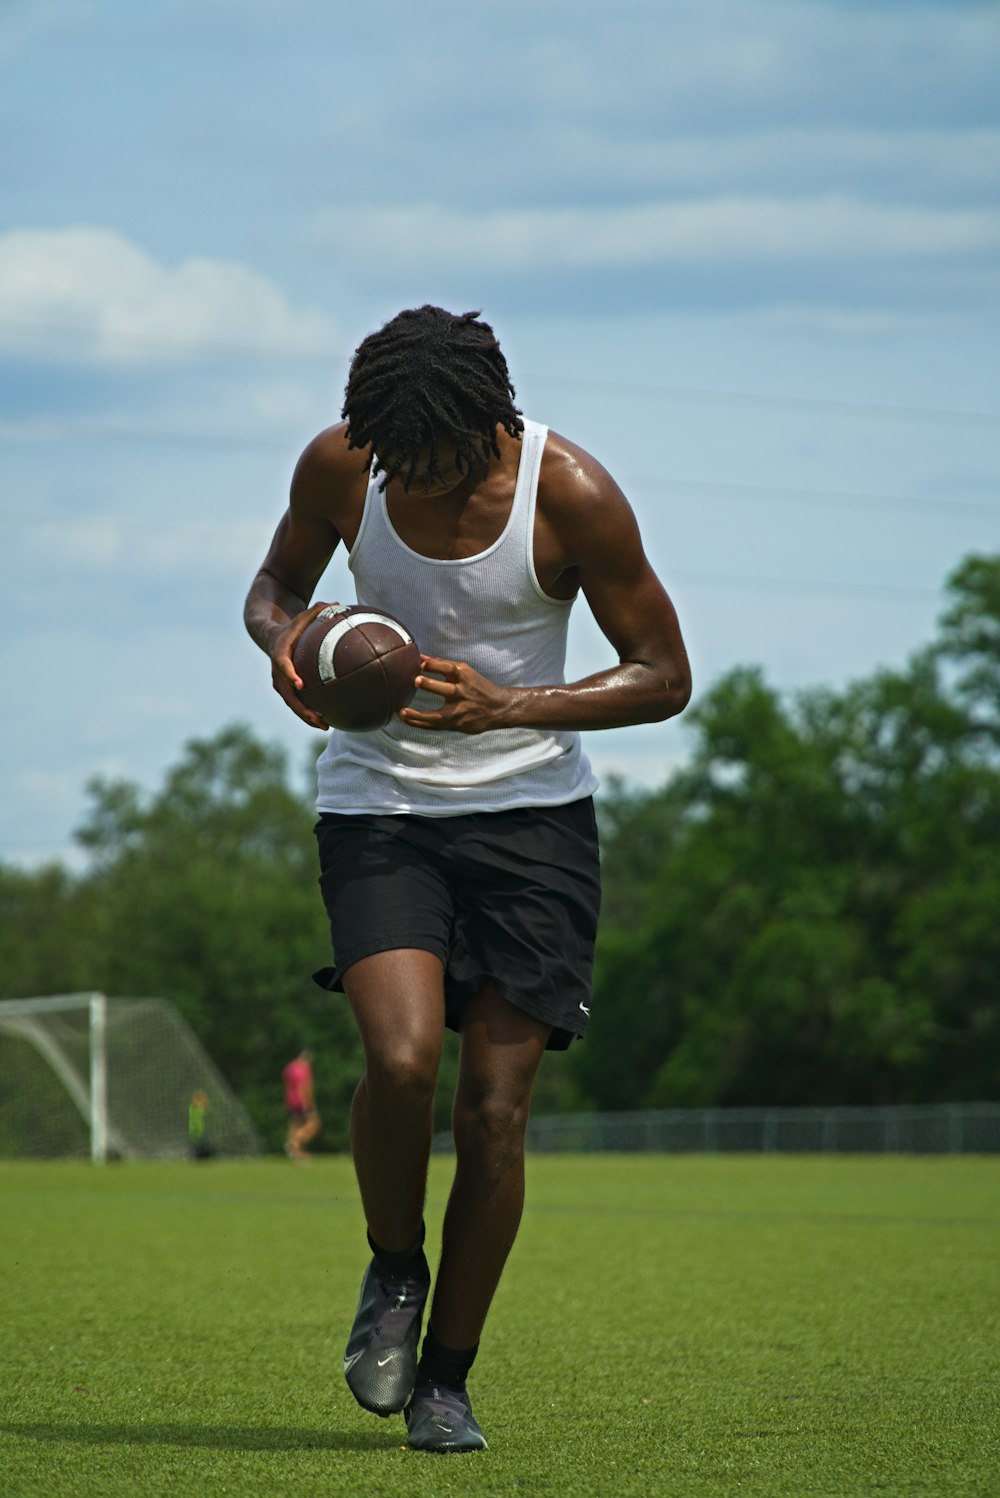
82 1074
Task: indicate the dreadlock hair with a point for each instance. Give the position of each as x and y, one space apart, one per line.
429 374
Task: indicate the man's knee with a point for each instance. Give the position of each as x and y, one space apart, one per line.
490 1124
404 1073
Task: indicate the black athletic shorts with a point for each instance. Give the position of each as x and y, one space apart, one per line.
511 896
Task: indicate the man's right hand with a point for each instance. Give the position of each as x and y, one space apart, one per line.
284 677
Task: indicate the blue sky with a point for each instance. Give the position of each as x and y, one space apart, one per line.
747 253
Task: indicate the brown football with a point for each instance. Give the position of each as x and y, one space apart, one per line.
357 666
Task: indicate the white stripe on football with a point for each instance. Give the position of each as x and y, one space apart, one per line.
328 644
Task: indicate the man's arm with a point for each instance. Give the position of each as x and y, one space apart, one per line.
277 607
586 521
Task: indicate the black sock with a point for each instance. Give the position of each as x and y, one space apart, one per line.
445 1365
396 1263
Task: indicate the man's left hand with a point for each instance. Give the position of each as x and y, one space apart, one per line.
469 703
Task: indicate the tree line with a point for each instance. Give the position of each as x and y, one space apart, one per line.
807 912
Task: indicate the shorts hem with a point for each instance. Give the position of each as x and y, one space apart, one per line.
331 978
563 1033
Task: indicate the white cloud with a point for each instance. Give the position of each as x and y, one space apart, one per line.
730 229
95 284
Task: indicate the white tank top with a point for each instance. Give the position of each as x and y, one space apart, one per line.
488 610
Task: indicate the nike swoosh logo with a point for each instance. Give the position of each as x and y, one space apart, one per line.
585 1010
382 1361
350 1362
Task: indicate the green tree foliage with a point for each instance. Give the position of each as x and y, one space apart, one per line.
808 912
823 923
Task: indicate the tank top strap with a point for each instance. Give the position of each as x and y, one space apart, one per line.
373 515
519 533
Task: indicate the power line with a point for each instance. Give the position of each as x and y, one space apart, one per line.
868 410
720 579
802 584
98 339
61 430
784 494
781 493
123 522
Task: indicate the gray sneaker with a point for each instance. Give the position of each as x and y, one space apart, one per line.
380 1363
441 1419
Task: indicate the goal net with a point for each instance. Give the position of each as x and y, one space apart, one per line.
84 1075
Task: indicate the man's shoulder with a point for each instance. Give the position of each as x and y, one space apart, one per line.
330 451
585 512
328 472
571 478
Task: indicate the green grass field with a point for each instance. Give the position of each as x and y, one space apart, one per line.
683 1325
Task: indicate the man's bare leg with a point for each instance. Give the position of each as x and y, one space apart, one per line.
500 1053
398 1003
501 1049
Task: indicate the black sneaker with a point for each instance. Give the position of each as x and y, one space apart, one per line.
380 1363
441 1419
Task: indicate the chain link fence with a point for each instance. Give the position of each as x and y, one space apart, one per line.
926 1129
944 1129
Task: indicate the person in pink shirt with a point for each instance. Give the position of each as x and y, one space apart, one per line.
300 1105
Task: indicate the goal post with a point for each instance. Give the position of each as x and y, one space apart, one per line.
84 1074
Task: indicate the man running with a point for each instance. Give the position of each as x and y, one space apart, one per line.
457 845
